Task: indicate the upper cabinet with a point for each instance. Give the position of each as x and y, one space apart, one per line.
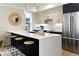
71 7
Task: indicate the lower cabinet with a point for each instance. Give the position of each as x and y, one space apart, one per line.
71 45
76 46
64 43
28 50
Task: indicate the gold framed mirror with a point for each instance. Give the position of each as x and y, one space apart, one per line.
15 18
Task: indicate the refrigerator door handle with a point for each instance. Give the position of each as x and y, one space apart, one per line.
71 25
70 38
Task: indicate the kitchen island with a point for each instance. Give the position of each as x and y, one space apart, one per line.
46 44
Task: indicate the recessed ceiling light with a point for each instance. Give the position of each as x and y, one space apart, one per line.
34 9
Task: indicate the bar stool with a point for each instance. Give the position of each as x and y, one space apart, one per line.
7 41
12 38
1 41
29 47
28 42
18 40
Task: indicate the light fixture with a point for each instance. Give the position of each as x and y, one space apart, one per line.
34 8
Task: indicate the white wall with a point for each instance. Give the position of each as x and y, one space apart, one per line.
35 19
4 23
54 13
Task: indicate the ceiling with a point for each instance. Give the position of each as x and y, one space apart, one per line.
31 7
40 6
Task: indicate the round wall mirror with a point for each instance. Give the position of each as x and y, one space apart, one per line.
15 18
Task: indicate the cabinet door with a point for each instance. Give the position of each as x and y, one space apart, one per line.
33 49
64 43
76 46
71 7
70 45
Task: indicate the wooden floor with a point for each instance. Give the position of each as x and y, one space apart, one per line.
67 53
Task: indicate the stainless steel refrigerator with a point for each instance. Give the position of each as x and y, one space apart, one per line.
70 39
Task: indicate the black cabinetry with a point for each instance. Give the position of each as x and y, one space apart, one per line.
71 7
28 50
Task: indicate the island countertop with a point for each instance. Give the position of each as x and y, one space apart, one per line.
32 35
49 44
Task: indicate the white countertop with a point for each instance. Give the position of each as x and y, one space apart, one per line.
32 35
49 44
